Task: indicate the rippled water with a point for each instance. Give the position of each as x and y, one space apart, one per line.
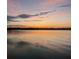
39 44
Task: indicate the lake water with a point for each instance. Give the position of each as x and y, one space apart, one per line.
39 44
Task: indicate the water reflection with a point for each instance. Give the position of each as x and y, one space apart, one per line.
39 44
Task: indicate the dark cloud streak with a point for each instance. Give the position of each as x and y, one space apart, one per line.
67 5
11 18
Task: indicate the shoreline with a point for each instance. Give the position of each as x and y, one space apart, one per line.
38 28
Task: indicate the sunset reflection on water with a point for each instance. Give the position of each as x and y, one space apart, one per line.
54 40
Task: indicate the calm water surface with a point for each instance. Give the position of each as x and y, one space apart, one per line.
39 44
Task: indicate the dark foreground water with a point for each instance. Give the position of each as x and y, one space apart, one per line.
39 44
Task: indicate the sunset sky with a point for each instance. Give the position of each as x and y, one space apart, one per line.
39 13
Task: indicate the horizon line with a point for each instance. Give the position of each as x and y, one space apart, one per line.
38 28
